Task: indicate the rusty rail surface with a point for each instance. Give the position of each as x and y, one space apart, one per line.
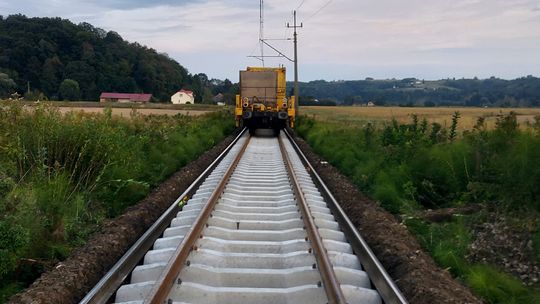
112 280
306 195
163 285
329 279
390 293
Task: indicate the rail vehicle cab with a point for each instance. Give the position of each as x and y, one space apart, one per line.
262 102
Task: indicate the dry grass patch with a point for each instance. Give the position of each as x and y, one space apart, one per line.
439 115
126 112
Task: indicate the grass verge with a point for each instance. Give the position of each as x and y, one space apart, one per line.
61 175
410 167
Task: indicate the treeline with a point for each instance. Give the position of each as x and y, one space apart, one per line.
521 92
312 101
59 60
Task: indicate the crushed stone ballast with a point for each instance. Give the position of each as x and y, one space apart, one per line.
261 227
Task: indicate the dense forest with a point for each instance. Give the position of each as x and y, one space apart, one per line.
521 92
53 58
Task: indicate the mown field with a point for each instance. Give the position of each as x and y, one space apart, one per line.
128 109
126 112
63 174
480 172
439 115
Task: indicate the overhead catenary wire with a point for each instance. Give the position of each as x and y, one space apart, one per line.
319 10
257 46
261 29
301 3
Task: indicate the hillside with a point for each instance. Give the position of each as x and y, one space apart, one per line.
521 92
47 51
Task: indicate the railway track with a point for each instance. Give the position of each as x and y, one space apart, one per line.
258 226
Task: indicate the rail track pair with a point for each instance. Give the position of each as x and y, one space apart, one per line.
259 226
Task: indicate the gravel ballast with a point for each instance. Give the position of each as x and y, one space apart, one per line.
70 280
414 271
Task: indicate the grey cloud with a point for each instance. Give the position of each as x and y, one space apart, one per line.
131 4
348 39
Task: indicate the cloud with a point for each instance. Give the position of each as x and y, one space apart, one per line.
432 38
131 4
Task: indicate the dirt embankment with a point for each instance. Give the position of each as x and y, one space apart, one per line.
414 271
71 279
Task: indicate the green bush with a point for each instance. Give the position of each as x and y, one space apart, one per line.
500 167
62 174
497 287
410 167
13 238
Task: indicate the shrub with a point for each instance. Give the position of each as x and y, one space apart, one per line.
69 90
497 287
408 167
62 174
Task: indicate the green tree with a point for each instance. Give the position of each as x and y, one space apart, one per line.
69 90
50 75
7 85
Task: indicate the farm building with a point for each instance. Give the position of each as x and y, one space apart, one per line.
124 97
183 97
219 98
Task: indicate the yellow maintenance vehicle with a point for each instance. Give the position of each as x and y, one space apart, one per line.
263 102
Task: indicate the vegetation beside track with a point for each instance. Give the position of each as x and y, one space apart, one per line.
441 115
414 166
62 175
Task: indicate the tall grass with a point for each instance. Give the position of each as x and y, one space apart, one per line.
408 167
62 174
430 165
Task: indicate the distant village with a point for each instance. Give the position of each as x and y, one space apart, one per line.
181 97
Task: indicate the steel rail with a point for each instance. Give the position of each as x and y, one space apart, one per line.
163 285
329 279
107 286
382 281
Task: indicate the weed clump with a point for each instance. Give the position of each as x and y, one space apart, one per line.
61 175
410 167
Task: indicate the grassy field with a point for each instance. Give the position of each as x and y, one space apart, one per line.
127 112
150 105
127 109
442 116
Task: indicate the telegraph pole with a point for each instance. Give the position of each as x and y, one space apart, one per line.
295 41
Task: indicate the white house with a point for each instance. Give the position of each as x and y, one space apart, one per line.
183 97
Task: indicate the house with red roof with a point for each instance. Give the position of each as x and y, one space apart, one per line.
124 97
183 97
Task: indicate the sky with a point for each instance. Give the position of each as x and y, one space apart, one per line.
340 39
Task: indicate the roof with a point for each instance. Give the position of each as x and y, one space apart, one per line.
186 91
130 96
